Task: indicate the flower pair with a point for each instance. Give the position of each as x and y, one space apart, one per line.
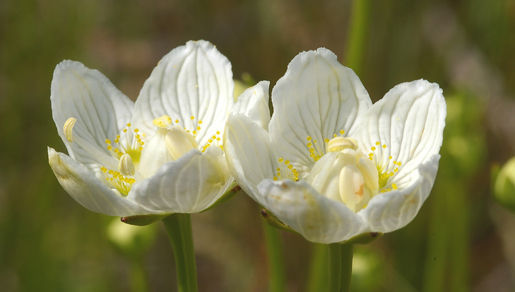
329 164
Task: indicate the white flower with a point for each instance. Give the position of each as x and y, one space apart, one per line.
330 164
159 155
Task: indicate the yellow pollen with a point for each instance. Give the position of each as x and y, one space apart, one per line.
192 117
109 147
384 146
390 157
287 162
218 132
163 121
200 122
326 140
108 141
125 130
373 148
342 132
308 138
176 121
378 143
198 128
280 159
136 130
394 186
128 124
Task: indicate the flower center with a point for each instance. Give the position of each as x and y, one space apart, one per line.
345 174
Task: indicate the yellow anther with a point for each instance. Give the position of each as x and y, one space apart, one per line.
192 117
394 186
136 130
218 132
68 128
109 147
125 130
308 138
390 157
373 148
198 128
326 140
128 124
163 121
342 132
275 177
280 159
378 143
200 122
176 121
384 146
314 141
309 144
286 162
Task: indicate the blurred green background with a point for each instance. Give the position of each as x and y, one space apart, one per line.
462 240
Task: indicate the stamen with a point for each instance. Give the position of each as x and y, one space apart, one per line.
68 128
163 121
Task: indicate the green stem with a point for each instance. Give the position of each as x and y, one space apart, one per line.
178 227
317 280
138 277
340 267
274 249
357 33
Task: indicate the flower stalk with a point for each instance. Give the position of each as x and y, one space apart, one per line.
275 259
340 266
178 227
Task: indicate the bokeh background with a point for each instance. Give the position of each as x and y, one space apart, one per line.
462 240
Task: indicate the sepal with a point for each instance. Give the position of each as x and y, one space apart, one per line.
142 220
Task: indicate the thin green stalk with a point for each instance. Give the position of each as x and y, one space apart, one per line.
138 277
178 227
275 258
357 33
317 280
340 267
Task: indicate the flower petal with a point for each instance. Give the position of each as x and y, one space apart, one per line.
101 111
409 122
85 188
317 218
393 210
193 85
317 97
188 185
253 103
248 153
